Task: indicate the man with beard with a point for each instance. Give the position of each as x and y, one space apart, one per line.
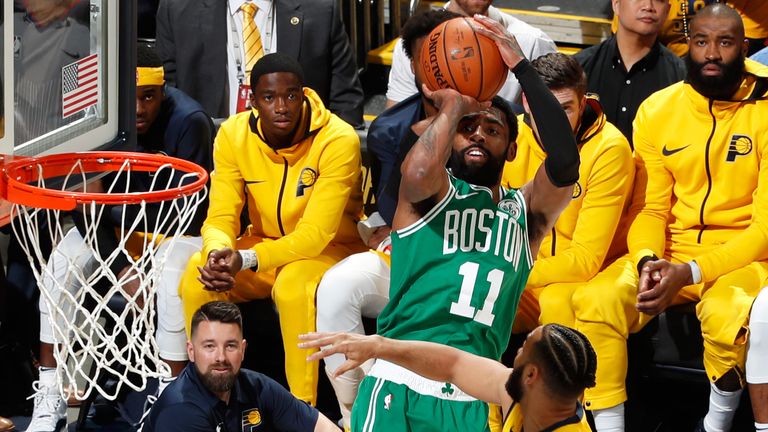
700 234
213 393
463 246
540 393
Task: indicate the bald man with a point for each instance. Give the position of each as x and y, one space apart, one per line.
700 235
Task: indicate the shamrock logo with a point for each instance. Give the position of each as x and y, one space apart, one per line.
447 389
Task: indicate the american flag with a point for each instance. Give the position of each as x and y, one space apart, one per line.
79 85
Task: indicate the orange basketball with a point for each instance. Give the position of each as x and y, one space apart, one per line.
455 56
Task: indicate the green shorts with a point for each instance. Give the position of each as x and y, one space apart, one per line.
382 405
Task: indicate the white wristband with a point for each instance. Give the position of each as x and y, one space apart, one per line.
250 260
695 271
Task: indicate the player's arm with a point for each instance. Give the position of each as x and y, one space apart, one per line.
424 178
606 190
477 376
338 174
551 188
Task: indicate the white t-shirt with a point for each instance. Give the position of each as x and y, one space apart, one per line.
534 43
265 21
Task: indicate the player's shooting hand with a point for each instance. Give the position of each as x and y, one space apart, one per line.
357 349
510 50
664 280
218 273
448 99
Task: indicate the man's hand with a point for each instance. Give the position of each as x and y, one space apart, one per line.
510 50
660 281
220 269
357 349
442 98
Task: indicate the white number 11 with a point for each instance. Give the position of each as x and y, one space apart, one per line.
463 307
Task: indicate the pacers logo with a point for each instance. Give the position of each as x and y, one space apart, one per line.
577 190
251 419
740 145
307 178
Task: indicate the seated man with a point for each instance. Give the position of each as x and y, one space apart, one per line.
696 237
540 393
213 393
168 122
588 234
298 167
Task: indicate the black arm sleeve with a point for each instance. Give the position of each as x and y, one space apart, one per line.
562 162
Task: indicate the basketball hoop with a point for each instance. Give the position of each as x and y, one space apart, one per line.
118 343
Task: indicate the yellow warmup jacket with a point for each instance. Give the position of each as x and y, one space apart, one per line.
702 176
304 197
588 233
577 423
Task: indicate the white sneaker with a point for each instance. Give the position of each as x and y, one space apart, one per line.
50 411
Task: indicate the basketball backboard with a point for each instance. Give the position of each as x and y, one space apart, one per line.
67 77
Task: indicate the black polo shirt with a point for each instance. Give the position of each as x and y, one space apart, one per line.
256 404
622 91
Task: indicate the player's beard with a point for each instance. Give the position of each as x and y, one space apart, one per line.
486 175
716 87
514 384
220 382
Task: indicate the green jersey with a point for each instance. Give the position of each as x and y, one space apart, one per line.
458 273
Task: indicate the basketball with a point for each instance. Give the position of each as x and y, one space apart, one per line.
455 56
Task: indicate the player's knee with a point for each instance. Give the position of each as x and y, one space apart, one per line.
555 306
731 381
291 290
598 302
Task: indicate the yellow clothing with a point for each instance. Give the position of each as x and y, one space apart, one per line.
577 423
702 176
305 196
589 232
754 14
303 204
699 194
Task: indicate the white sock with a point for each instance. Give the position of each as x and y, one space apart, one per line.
722 408
163 383
609 419
48 377
761 427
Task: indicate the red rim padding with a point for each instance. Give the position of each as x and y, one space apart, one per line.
20 172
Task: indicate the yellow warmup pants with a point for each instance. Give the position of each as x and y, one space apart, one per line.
605 312
292 288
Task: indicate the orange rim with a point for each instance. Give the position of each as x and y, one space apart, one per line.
19 173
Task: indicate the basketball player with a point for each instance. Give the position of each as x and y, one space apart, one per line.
700 234
463 246
551 371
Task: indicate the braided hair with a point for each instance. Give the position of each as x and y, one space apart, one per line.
567 359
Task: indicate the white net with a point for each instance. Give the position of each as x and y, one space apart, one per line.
102 317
